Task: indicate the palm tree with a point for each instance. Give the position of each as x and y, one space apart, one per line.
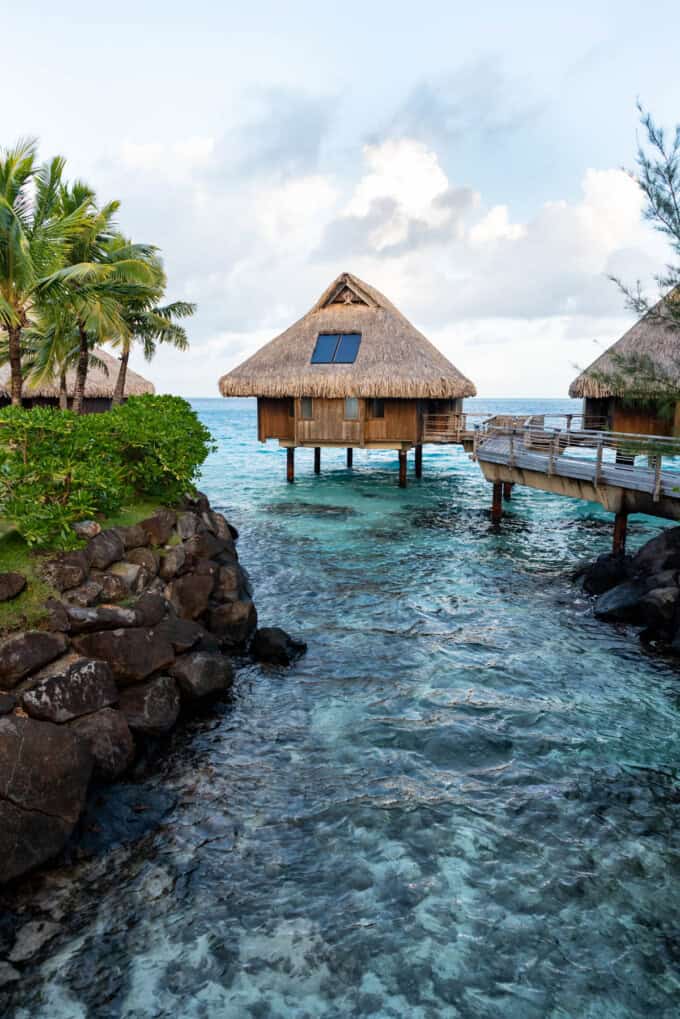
50 348
34 234
149 323
101 275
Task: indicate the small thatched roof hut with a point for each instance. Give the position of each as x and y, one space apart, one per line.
394 360
98 388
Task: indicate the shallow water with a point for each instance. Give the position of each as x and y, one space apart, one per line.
461 802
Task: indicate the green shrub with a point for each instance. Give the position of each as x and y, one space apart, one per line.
57 467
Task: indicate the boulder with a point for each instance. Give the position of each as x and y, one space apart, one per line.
172 561
85 594
133 536
27 652
228 585
101 617
218 525
8 703
108 737
606 572
105 548
187 524
189 594
661 553
158 527
150 609
67 571
151 708
44 774
11 584
57 617
200 675
144 557
87 528
622 603
85 687
183 634
197 503
206 546
132 654
134 576
113 587
234 622
8 974
271 644
658 608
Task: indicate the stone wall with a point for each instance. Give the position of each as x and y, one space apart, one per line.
148 620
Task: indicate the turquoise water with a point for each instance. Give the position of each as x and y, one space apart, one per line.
463 801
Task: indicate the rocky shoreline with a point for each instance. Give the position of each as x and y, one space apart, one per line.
150 620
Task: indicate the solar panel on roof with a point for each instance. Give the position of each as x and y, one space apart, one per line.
336 348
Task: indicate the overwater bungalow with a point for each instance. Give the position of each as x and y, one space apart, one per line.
353 372
99 386
618 398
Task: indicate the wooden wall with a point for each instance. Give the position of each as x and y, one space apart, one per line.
274 420
328 424
402 422
640 422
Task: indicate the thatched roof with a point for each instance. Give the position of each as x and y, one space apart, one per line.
394 359
99 385
656 336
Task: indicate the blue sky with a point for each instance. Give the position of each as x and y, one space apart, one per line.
466 159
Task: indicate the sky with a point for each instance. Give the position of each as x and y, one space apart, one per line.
466 159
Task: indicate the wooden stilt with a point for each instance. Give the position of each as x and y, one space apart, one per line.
620 528
497 501
419 461
317 460
290 465
507 490
402 468
350 456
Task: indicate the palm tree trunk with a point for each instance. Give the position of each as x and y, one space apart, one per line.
16 384
63 394
119 391
81 370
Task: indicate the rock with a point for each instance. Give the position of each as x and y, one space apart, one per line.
56 615
189 594
87 528
158 527
144 557
271 644
133 576
132 654
234 622
104 549
206 546
27 652
622 603
187 525
58 667
172 562
150 609
219 526
44 774
132 537
67 571
11 584
200 675
103 617
183 634
31 938
108 736
113 587
228 585
606 572
87 686
151 708
661 553
8 703
658 608
8 974
85 594
197 503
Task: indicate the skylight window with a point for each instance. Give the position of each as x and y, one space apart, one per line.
336 348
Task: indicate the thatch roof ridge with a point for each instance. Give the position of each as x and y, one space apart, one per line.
99 385
654 335
394 359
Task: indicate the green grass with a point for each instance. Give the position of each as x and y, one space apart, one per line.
27 611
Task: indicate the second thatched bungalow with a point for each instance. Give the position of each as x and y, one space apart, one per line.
352 372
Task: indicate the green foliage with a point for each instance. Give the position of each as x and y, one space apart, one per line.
57 467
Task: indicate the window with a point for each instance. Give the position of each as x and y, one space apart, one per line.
306 408
376 408
336 348
351 408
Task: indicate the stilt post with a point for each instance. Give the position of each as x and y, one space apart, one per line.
497 501
290 465
317 460
419 461
402 468
350 457
620 528
507 490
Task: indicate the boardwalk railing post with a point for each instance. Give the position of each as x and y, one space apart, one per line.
554 449
657 479
598 461
511 458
